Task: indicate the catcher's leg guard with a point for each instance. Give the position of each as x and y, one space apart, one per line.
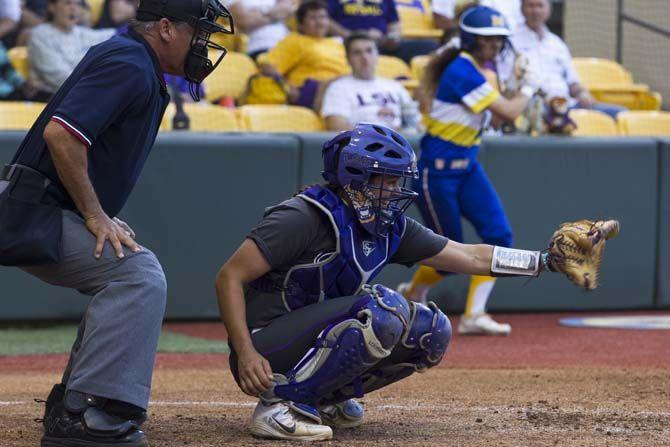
422 346
346 349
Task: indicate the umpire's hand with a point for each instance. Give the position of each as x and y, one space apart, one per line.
106 229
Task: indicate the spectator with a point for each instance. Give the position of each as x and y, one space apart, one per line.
10 81
380 19
551 59
10 16
308 57
116 13
445 12
262 21
56 47
363 97
35 12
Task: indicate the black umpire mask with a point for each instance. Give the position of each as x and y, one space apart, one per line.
207 17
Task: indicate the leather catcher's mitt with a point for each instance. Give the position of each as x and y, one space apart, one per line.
576 250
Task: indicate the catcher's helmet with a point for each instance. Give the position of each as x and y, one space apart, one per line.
481 21
352 158
207 17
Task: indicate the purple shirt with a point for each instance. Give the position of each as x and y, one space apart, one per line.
363 15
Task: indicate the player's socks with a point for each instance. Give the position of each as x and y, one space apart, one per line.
422 281
478 294
475 320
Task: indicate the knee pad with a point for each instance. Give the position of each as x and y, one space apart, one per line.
428 334
422 346
344 350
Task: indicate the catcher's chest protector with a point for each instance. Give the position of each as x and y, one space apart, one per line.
358 256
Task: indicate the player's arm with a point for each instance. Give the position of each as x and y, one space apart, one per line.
482 259
509 109
246 264
70 157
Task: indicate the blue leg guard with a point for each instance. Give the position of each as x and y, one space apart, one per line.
345 350
422 346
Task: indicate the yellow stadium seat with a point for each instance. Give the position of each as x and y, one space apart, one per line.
416 20
644 123
18 57
232 42
19 115
418 65
96 7
393 68
633 96
273 118
591 123
204 118
230 77
593 70
608 81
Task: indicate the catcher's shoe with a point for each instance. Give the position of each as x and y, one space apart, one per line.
482 324
88 426
347 414
420 294
288 421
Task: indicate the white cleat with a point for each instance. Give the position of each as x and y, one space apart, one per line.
420 293
282 421
347 414
482 324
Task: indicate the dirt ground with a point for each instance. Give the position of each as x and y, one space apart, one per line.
611 390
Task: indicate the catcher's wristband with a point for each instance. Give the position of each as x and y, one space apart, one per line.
546 262
514 262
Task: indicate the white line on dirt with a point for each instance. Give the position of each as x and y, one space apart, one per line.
409 406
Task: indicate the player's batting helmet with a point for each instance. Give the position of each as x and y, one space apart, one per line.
481 21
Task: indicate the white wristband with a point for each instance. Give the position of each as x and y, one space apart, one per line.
527 91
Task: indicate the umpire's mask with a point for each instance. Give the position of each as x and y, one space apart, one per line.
207 17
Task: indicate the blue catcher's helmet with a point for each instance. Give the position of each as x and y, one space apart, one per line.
482 21
353 158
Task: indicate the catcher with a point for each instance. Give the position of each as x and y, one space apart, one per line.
307 332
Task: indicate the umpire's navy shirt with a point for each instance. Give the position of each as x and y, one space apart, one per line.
113 102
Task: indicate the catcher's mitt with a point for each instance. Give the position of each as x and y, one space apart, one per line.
576 250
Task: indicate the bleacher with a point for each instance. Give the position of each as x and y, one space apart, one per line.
606 80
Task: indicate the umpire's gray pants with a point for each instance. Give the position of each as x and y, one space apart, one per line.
113 355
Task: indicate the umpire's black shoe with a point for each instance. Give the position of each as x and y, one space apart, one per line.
55 397
78 420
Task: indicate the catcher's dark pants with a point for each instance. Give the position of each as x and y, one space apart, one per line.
288 338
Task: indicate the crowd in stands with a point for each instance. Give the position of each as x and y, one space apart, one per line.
319 54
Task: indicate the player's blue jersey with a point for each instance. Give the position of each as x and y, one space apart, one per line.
458 113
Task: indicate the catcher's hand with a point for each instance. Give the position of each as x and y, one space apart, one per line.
576 250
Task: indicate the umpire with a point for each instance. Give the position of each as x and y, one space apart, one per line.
59 199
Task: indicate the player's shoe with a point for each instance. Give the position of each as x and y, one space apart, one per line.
420 294
347 414
288 421
482 324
